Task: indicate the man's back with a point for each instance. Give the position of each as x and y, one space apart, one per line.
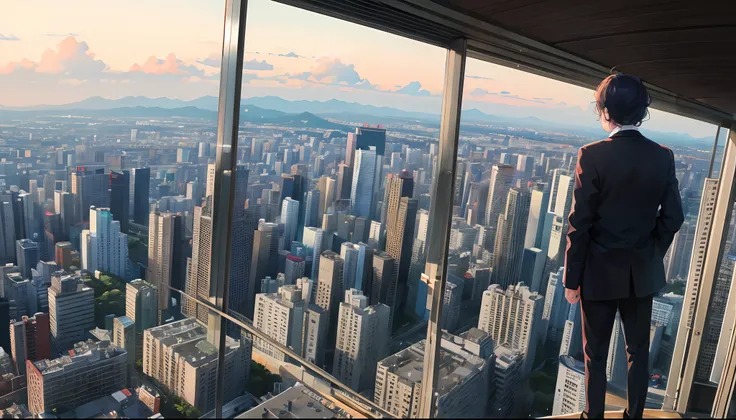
630 179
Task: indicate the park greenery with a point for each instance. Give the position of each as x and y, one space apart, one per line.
109 296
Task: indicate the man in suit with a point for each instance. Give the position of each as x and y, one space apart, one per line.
626 210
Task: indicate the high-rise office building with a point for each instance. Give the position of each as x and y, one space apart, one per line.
311 216
103 246
281 317
513 316
7 232
362 341
467 367
30 340
28 255
64 207
290 220
71 310
616 364
294 269
63 255
123 336
316 324
21 292
91 188
383 287
94 369
264 260
344 182
538 205
509 243
166 256
327 188
140 181
349 254
400 221
506 378
141 306
179 357
120 198
532 268
364 172
555 309
570 387
501 177
680 252
330 289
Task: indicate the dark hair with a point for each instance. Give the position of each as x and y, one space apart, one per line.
624 97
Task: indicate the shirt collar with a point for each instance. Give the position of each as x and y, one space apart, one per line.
623 128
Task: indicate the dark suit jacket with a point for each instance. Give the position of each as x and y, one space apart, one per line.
626 210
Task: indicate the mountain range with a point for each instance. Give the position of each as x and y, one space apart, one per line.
312 114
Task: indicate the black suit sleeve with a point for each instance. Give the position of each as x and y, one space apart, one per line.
670 217
583 213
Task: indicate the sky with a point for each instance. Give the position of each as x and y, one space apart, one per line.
171 48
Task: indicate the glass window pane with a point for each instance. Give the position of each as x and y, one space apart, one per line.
519 141
108 112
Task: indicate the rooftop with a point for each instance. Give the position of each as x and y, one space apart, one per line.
123 403
454 367
190 339
297 402
84 353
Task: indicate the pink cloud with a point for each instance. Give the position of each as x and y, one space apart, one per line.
169 65
70 57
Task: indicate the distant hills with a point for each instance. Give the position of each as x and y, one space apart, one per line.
248 113
312 114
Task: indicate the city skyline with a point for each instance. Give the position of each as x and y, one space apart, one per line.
290 53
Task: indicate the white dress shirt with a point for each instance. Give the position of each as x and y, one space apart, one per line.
623 128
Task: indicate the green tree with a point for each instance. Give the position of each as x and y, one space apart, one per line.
260 380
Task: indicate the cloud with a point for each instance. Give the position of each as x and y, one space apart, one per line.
334 72
213 60
415 89
168 65
70 58
290 54
479 77
257 65
543 99
63 35
9 37
505 92
479 92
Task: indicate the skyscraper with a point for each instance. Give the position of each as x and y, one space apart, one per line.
509 243
90 188
361 341
512 316
7 232
330 289
96 370
281 317
140 180
290 219
364 172
64 206
30 340
103 246
538 205
555 309
570 388
294 269
532 268
467 367
141 306
166 267
120 198
344 182
383 287
327 188
311 217
506 378
192 377
400 221
349 254
501 177
28 256
71 310
313 240
264 261
63 254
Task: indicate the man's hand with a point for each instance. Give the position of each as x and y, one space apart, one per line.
572 295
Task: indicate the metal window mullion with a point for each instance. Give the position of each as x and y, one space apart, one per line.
228 116
714 152
713 256
727 383
440 214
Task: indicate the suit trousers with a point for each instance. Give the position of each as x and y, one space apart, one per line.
598 318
